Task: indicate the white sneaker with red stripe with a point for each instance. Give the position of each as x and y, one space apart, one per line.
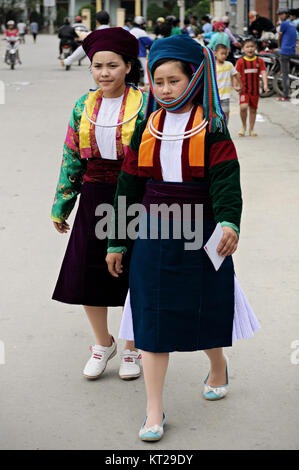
130 365
96 365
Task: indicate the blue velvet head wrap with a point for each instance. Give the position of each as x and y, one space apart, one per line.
178 47
202 61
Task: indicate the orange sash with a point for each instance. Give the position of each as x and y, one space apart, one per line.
196 143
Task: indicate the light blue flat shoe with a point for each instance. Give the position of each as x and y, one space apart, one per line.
153 433
216 393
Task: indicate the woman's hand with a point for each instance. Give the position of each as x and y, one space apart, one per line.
228 243
82 34
61 227
113 261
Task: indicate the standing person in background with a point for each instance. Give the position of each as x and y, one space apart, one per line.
194 26
167 26
128 24
186 29
207 35
206 24
176 28
287 42
158 31
34 30
294 17
250 67
234 43
220 37
227 78
145 43
102 22
22 31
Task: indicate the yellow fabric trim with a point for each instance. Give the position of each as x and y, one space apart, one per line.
84 135
248 59
55 219
132 105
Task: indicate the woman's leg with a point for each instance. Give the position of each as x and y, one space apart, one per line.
98 319
130 345
217 376
154 370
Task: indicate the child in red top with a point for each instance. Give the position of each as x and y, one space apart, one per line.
11 29
250 68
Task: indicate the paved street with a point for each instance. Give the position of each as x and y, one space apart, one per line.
45 403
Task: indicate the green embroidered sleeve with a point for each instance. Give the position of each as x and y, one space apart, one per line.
140 116
224 180
72 168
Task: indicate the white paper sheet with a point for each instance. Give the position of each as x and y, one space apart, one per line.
212 245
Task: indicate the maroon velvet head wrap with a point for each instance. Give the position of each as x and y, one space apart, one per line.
111 39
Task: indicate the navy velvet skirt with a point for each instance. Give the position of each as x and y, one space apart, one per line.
179 302
84 278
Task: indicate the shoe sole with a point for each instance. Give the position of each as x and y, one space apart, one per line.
148 439
214 399
130 377
90 377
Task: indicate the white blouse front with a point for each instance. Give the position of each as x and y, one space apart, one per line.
106 136
171 151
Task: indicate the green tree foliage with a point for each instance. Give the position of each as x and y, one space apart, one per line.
193 7
154 11
199 9
60 16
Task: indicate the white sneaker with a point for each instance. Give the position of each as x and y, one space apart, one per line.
130 365
96 365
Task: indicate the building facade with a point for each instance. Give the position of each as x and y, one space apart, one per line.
237 10
132 7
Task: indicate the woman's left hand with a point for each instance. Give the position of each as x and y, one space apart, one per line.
228 243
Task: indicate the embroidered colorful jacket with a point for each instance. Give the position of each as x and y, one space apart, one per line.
218 165
80 144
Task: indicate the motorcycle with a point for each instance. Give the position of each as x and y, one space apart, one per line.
11 56
272 65
66 52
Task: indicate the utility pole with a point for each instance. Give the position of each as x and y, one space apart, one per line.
181 5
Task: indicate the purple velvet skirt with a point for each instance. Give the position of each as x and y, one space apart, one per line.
84 278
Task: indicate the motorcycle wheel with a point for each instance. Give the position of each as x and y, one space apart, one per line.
67 67
12 66
269 93
278 83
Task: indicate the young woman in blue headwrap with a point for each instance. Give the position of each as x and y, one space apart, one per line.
182 154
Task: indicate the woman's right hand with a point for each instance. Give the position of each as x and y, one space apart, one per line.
113 261
61 227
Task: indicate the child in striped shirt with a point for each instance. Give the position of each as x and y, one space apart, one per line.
251 68
227 78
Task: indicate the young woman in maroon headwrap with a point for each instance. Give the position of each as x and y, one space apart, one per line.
98 136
